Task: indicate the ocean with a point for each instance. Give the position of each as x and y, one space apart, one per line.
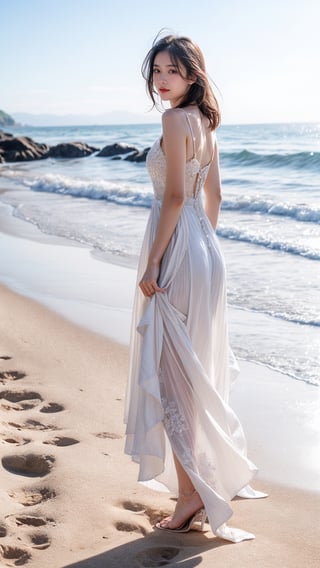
269 226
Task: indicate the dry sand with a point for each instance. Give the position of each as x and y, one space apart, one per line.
69 496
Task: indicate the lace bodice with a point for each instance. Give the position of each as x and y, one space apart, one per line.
195 173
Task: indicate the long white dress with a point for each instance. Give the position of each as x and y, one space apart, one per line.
181 365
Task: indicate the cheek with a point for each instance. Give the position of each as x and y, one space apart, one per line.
187 86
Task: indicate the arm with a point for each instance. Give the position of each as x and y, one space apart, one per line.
212 190
174 140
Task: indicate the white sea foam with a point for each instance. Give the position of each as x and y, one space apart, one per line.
136 196
265 239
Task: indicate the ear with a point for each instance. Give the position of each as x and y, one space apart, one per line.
192 80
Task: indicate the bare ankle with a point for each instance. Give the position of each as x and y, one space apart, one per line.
187 493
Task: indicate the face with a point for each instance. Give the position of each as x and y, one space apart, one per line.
167 79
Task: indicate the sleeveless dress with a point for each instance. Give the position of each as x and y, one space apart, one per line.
181 365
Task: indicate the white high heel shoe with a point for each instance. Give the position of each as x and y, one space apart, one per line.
198 516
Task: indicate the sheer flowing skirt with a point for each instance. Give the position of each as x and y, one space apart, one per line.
181 368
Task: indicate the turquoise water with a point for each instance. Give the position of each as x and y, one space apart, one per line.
269 226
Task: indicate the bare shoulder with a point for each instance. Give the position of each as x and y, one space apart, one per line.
174 118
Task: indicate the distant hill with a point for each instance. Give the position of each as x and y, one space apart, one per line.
6 119
115 117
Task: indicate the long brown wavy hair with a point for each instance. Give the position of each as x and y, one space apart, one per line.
183 51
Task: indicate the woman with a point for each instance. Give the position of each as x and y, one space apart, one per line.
180 428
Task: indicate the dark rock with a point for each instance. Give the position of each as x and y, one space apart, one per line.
116 149
21 148
5 135
138 156
71 150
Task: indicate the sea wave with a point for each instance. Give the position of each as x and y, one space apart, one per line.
296 160
103 190
285 315
300 212
284 366
255 238
135 196
96 189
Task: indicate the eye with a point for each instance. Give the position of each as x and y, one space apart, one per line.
155 70
173 71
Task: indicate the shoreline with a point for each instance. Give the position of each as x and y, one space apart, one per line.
87 510
70 349
67 278
14 229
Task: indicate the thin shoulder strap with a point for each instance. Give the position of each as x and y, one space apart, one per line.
192 134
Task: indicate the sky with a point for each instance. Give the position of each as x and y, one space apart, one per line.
84 57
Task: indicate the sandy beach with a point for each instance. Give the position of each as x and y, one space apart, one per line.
69 496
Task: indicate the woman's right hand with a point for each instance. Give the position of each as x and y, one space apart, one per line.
148 283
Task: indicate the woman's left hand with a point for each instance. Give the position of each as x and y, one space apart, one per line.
148 283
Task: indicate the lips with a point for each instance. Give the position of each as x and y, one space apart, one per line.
164 90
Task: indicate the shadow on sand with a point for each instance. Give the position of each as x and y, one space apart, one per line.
155 549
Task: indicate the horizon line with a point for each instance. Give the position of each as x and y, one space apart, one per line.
269 123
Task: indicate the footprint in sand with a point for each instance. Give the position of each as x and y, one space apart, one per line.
14 440
158 556
11 376
32 496
41 541
20 400
133 506
30 465
154 515
13 555
62 441
29 521
110 435
52 407
138 511
32 425
25 400
130 527
37 539
5 357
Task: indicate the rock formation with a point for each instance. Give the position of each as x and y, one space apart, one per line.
71 150
116 149
21 148
138 156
